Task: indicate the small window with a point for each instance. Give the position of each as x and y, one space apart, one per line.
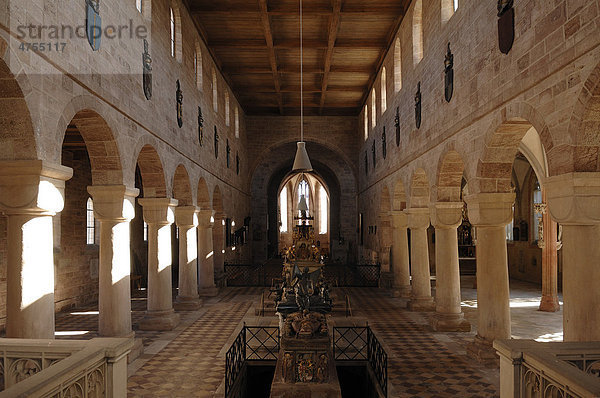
227 116
324 207
510 226
138 5
90 223
448 9
172 18
237 122
198 67
366 112
383 91
373 109
215 92
418 32
283 211
397 66
145 232
303 191
455 5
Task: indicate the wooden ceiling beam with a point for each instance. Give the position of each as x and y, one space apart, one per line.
334 25
264 16
250 11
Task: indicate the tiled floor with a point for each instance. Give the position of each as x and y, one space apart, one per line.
189 361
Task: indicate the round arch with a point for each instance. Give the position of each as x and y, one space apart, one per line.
152 173
182 191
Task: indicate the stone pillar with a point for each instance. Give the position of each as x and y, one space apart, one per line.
446 217
218 249
400 260
574 202
490 213
187 221
549 246
418 222
159 215
206 267
114 208
31 193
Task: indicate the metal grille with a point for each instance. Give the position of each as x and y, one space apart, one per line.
353 275
358 343
253 343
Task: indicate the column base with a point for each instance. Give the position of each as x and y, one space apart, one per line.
401 291
549 303
187 303
421 304
159 320
136 351
208 291
483 351
441 322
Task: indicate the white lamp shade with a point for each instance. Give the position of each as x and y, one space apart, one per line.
302 206
301 162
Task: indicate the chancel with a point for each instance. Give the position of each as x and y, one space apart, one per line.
299 198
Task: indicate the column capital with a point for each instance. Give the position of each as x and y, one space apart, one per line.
206 218
490 209
574 198
159 211
186 216
418 217
446 214
399 219
113 202
32 186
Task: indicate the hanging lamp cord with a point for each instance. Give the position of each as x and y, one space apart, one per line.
301 82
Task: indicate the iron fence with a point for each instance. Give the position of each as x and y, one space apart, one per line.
253 343
359 343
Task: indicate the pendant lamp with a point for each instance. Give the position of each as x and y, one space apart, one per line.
301 161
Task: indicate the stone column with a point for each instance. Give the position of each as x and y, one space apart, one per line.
400 260
218 248
206 268
549 246
114 208
446 217
31 193
574 202
187 221
159 215
418 222
490 213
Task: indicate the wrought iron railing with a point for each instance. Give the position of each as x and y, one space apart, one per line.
359 343
353 275
253 343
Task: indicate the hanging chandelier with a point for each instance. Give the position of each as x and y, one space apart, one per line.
301 161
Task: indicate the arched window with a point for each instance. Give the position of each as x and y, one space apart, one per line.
383 91
175 25
138 5
214 90
303 190
90 223
448 7
537 199
227 116
283 209
198 66
145 232
397 66
373 108
236 121
172 24
366 112
418 32
323 210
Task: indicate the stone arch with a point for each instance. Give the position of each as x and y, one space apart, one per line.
17 138
217 203
399 198
583 129
203 198
182 190
450 174
101 145
152 172
419 189
501 145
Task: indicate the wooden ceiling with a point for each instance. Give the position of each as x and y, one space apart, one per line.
256 45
